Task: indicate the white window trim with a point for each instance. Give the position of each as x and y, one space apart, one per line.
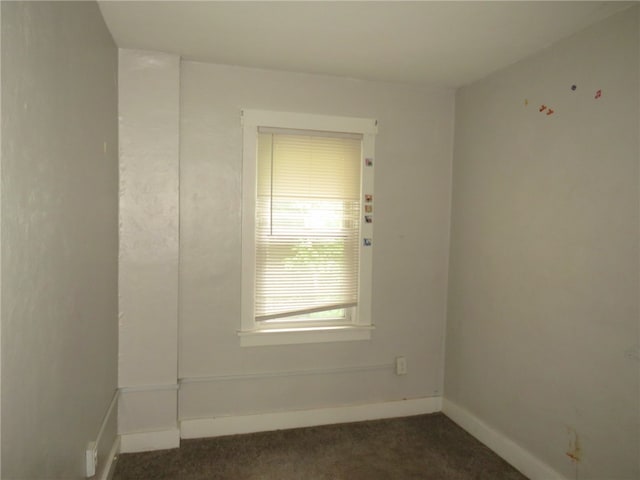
250 333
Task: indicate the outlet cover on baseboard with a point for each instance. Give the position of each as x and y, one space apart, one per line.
91 459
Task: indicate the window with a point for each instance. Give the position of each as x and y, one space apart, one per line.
307 228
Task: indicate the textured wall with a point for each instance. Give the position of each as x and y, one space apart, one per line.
148 270
543 293
59 235
412 185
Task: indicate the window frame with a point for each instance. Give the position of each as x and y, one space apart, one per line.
252 333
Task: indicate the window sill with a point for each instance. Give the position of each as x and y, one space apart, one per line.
290 336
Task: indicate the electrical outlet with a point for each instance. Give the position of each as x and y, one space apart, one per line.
91 459
401 366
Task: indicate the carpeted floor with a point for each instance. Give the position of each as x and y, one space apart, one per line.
420 447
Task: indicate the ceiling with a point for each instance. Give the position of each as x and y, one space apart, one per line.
436 43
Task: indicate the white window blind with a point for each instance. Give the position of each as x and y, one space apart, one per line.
307 222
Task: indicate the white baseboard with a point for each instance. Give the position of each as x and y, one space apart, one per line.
517 456
230 425
111 461
147 441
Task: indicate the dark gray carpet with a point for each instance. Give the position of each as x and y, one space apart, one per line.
420 447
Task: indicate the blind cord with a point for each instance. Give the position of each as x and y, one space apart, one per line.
271 192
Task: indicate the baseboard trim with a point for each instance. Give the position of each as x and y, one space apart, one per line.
111 461
514 454
231 425
148 441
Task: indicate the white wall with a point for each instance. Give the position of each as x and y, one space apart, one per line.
148 266
59 236
412 185
413 167
0 250
543 292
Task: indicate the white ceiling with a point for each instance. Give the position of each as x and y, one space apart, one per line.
437 43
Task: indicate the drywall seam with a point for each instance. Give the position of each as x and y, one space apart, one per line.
149 388
0 248
443 354
289 373
179 216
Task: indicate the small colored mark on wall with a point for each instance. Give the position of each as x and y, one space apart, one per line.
574 452
550 111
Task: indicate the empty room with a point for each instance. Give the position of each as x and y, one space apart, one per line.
322 240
